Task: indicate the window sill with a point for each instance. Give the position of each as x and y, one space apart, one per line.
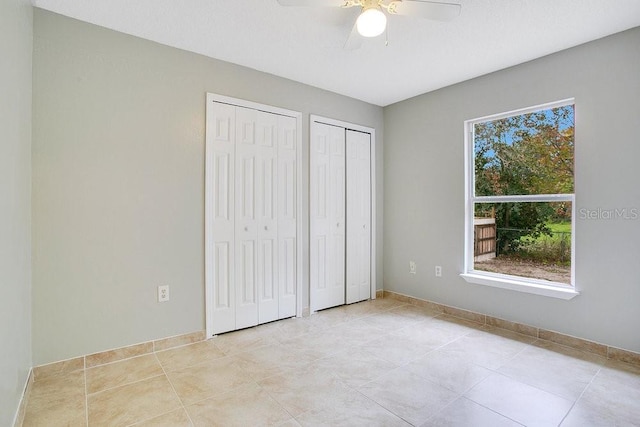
559 291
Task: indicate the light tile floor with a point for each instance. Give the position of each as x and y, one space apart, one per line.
379 362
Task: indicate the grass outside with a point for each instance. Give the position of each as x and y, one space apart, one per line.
560 227
549 249
559 231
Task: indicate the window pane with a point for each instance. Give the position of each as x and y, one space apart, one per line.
525 154
526 239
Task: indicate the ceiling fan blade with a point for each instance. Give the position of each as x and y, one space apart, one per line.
312 3
438 11
354 41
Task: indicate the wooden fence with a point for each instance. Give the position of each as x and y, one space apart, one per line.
484 239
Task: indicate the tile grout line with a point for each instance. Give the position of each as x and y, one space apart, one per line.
113 362
489 409
530 345
150 418
581 394
378 404
174 389
120 360
525 347
529 385
126 384
278 403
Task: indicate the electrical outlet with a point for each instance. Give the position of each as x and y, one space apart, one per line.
163 293
412 267
438 271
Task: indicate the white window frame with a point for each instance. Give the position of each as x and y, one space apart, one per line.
504 281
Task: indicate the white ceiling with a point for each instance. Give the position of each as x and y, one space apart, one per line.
306 44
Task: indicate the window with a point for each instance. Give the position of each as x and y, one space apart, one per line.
520 200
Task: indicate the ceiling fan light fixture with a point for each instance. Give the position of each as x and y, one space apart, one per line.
371 22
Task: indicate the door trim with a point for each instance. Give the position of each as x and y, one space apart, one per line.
374 229
208 239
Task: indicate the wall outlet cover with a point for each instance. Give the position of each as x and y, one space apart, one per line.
163 293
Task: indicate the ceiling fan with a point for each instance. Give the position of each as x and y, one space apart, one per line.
372 20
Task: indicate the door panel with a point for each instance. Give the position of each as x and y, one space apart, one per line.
221 178
327 222
287 216
267 199
247 273
246 229
358 216
222 278
287 254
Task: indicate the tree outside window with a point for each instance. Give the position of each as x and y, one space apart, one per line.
522 186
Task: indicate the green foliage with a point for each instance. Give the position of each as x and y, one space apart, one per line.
560 227
516 220
552 248
527 154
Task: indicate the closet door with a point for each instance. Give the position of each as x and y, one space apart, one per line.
267 203
246 221
251 252
221 134
287 218
327 210
358 216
